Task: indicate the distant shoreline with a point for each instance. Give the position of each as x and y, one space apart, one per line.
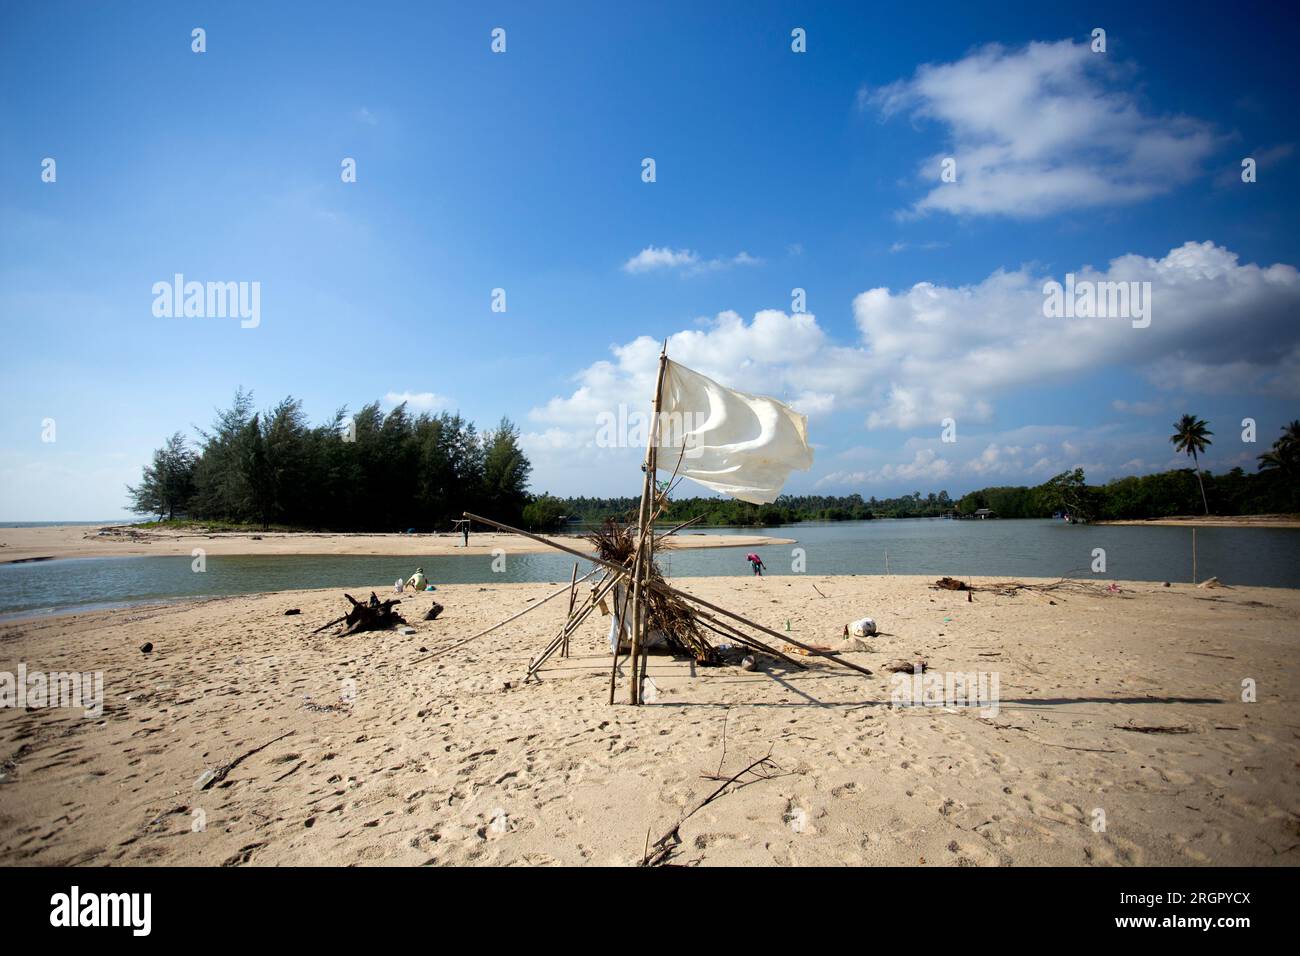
1214 521
46 542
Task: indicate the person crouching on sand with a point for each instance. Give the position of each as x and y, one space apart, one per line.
417 580
756 563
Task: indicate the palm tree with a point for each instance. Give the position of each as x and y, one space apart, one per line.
1192 436
1285 454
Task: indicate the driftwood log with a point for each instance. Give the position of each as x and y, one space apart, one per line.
372 615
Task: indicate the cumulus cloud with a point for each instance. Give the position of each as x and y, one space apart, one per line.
771 354
931 352
1216 326
925 466
418 401
1040 129
685 261
1026 455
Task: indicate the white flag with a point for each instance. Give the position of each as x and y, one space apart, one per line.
740 444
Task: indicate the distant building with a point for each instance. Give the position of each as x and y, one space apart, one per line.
985 513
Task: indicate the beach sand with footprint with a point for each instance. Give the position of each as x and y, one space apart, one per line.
374 749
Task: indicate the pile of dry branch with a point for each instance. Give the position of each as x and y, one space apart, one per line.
616 543
1012 587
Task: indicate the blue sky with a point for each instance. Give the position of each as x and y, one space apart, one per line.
775 170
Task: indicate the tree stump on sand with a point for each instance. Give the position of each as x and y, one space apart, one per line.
372 615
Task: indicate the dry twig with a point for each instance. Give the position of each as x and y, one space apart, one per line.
764 768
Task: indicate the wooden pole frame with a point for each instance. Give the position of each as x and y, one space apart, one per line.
597 594
573 593
672 590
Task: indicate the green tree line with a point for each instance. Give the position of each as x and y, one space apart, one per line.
383 472
374 471
787 509
1274 488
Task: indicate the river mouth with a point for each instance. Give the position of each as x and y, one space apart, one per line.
996 550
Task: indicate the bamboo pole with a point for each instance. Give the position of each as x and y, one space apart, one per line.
759 627
645 545
559 639
671 531
572 624
573 593
668 589
620 615
635 636
729 632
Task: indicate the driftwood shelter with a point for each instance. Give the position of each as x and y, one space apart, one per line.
645 604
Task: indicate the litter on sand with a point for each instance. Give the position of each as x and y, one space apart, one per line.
863 627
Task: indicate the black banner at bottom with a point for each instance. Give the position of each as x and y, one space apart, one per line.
333 906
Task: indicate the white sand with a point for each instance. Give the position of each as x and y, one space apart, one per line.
398 758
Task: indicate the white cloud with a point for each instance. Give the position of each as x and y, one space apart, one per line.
686 261
651 258
1026 455
419 401
1040 129
1216 326
931 352
766 355
925 466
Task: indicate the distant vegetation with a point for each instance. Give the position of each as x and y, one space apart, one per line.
396 471
372 472
1273 489
785 510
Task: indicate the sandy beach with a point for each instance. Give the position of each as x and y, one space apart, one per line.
1120 735
120 541
1214 521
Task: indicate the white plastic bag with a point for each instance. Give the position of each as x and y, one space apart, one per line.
863 628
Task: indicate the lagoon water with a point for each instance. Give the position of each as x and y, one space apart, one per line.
1267 557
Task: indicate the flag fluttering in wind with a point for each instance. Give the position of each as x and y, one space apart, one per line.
740 444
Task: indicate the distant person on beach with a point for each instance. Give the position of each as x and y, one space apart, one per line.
464 529
417 580
756 563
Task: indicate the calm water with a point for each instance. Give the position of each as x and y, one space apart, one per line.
1246 556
